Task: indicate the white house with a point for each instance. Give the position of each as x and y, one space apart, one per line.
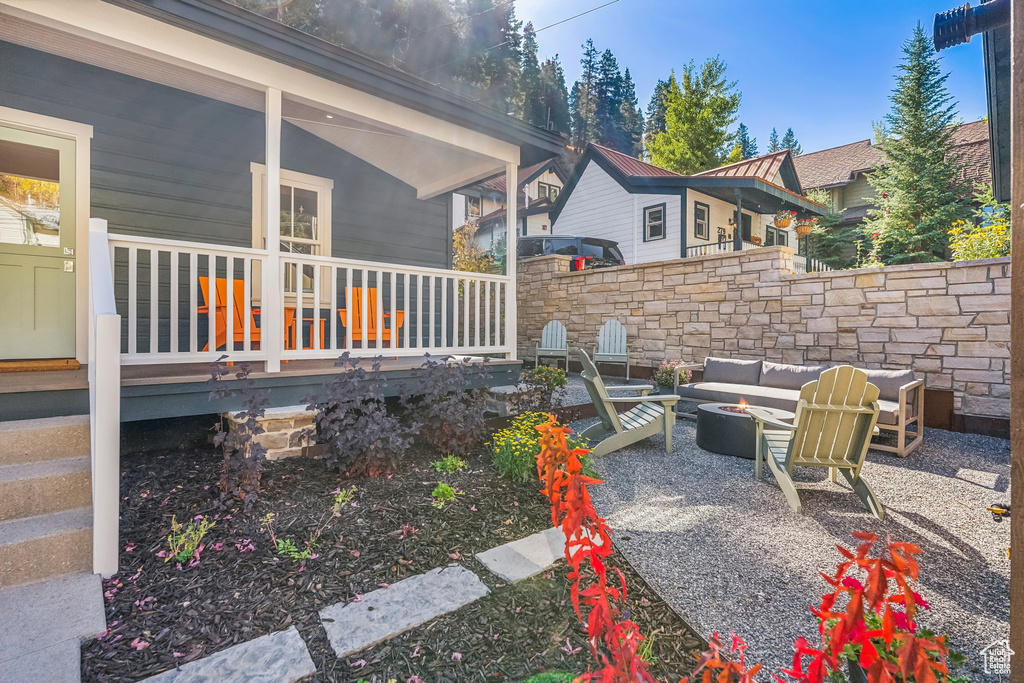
656 214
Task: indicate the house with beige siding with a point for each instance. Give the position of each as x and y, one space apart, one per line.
843 171
655 214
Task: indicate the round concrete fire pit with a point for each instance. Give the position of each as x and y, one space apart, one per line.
727 429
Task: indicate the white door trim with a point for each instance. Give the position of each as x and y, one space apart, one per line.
81 133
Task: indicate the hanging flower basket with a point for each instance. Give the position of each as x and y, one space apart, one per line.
804 228
783 219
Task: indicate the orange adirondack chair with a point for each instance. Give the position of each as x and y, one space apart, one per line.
371 313
221 309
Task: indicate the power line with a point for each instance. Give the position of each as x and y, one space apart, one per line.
459 21
495 47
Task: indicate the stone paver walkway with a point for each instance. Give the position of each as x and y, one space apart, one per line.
386 612
280 657
522 559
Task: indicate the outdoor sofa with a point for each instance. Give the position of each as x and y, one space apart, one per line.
777 385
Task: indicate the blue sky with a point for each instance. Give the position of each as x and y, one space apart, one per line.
826 68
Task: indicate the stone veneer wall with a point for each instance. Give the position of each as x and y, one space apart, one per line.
950 322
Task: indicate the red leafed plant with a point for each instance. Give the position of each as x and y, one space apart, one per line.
613 640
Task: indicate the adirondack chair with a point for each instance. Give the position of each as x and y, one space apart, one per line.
612 346
835 420
652 414
220 315
371 313
553 343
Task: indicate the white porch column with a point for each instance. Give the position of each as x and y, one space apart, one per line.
512 230
272 314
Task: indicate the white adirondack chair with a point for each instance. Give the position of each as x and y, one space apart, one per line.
652 414
611 345
553 343
835 420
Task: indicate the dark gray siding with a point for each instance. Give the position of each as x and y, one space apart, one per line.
170 164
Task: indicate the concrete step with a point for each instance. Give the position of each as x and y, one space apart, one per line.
43 624
52 438
36 548
39 488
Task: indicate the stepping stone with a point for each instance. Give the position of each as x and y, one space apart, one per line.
280 657
389 611
521 559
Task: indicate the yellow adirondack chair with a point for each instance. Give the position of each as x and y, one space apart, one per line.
835 420
652 414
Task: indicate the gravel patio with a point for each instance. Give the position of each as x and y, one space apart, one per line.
728 554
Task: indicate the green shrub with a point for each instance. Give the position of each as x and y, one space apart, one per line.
514 449
664 376
443 494
186 542
551 677
449 464
541 388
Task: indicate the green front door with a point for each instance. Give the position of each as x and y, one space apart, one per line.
37 246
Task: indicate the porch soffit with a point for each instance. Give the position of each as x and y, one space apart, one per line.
120 40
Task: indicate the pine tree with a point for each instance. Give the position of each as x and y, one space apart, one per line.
531 80
632 120
657 106
789 142
582 101
747 145
920 191
696 135
608 101
555 97
494 54
773 142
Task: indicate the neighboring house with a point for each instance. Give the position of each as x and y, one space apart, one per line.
655 214
842 171
138 140
538 189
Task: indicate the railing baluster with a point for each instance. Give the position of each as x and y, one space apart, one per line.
229 302
211 303
154 301
175 264
379 313
133 300
408 310
349 284
193 302
300 307
364 304
247 317
315 323
333 313
465 312
487 314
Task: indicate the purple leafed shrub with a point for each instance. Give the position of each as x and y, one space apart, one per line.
353 422
451 412
243 455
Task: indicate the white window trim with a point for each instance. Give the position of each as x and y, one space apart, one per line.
324 188
707 221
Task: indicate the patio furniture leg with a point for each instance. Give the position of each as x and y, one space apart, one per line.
833 475
758 451
670 419
864 492
786 484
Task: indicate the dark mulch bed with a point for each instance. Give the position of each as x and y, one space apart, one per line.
235 595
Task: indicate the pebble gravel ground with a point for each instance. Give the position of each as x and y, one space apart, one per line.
727 552
576 392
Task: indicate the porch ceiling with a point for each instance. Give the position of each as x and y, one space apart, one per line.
429 154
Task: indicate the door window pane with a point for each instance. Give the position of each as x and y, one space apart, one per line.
29 195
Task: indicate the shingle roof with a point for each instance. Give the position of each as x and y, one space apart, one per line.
765 167
631 166
840 165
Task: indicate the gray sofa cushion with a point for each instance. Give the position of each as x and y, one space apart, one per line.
766 397
732 371
783 376
889 382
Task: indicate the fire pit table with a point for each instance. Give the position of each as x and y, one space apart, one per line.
726 428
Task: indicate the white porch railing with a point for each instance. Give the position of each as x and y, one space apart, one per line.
104 402
328 305
803 265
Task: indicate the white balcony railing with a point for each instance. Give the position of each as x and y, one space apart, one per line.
328 305
803 265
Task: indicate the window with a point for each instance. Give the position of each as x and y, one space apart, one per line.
546 190
654 222
782 238
565 247
775 236
472 208
701 222
305 219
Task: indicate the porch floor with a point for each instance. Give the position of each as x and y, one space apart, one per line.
176 390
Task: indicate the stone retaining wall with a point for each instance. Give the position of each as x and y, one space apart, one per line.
948 321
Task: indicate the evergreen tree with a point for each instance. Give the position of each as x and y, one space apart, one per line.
696 135
631 120
583 100
554 94
657 106
747 145
532 81
608 101
920 191
789 142
493 54
773 142
831 242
